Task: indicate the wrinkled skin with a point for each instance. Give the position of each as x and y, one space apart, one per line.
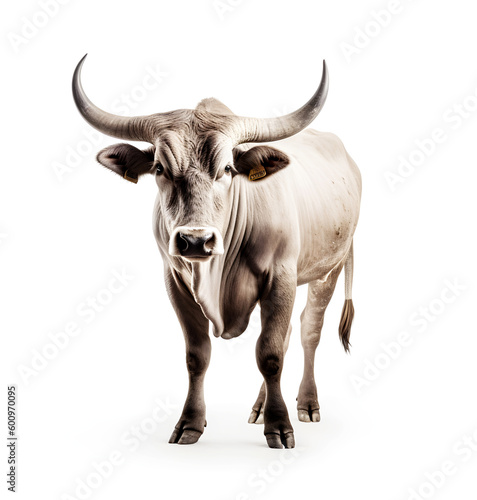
239 224
292 227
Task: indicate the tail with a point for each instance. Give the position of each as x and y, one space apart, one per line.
347 314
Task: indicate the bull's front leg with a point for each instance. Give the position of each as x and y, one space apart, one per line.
277 305
195 327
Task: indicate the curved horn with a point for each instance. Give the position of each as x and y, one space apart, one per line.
274 129
134 129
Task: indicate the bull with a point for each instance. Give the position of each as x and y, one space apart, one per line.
247 209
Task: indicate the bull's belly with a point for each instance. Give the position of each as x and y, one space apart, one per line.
238 305
319 270
321 253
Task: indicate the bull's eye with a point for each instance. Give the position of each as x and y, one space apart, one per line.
228 169
159 169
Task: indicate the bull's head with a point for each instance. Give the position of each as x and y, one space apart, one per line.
195 157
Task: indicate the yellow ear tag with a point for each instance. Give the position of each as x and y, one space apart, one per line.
129 178
257 173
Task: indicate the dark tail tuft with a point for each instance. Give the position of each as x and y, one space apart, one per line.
347 315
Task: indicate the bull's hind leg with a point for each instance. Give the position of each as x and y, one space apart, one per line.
319 296
256 416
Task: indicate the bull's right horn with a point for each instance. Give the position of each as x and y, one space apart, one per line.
137 128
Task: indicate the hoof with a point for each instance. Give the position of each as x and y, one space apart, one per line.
184 436
280 440
256 417
309 415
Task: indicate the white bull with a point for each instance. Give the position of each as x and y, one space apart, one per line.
239 224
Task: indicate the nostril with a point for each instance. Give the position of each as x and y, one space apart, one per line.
209 241
182 242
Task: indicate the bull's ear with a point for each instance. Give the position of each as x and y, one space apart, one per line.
259 162
127 161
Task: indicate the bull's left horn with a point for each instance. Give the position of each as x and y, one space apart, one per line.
274 129
134 129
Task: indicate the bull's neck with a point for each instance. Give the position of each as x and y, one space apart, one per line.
206 280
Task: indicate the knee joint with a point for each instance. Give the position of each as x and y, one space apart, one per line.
270 365
196 363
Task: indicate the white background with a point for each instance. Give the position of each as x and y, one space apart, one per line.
62 235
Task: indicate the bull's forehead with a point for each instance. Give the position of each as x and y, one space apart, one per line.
199 142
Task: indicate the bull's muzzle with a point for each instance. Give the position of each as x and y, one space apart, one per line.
196 243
